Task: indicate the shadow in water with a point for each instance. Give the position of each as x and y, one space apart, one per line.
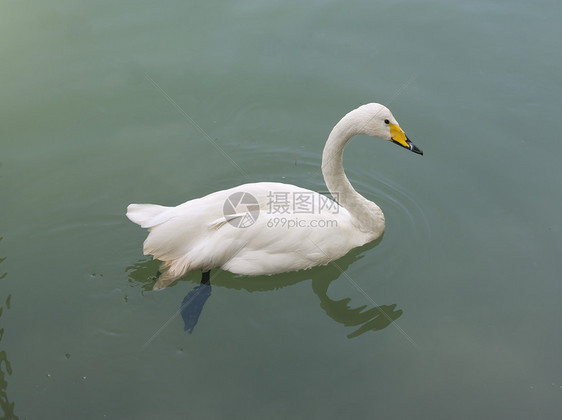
192 305
376 318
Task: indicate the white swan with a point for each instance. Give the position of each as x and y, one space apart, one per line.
267 227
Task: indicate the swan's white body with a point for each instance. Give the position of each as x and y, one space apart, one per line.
288 234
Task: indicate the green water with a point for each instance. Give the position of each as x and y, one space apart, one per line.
104 103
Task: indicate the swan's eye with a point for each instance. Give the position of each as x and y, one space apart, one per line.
386 122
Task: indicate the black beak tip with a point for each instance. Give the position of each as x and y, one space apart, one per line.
417 150
413 147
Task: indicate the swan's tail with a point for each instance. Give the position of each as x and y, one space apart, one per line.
147 215
165 242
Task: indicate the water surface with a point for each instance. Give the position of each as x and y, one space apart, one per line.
108 103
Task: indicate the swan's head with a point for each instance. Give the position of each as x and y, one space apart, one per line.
376 120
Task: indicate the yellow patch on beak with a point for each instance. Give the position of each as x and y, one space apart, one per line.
397 135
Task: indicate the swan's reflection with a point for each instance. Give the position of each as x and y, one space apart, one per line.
372 319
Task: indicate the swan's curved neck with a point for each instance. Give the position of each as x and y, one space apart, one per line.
367 216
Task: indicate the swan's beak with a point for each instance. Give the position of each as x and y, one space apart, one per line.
398 136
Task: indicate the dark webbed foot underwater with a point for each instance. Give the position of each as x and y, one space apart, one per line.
193 302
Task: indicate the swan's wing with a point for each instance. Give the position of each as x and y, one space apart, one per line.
278 235
295 229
